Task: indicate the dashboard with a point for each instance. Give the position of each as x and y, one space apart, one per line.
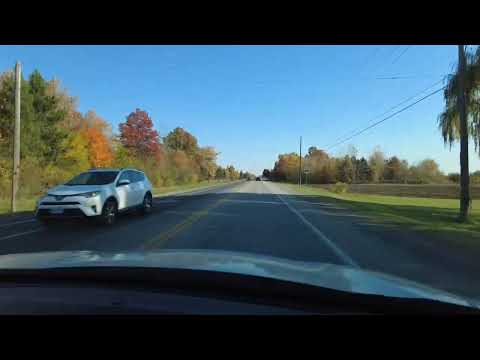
37 299
164 291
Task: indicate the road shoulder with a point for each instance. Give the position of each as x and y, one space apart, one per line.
440 258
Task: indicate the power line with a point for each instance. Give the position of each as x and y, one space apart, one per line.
381 66
401 54
409 98
397 77
394 50
395 106
396 58
385 119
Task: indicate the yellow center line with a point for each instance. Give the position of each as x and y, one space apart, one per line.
160 239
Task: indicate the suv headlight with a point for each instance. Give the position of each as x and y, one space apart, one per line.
90 194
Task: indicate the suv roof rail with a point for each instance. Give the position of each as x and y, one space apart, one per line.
118 169
100 168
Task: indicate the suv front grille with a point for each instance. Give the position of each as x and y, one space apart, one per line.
60 203
66 213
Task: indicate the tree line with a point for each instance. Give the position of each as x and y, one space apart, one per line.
321 168
58 142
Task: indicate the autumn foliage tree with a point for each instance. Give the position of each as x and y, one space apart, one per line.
325 169
206 159
179 139
58 142
96 132
286 168
138 135
185 149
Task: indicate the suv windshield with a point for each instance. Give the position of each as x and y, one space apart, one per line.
94 178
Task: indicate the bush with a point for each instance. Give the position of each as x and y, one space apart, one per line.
50 176
339 188
167 182
5 179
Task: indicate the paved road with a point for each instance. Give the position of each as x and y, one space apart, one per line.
257 217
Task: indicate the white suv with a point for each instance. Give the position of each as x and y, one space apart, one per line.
99 193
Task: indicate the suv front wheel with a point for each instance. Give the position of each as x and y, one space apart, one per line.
109 213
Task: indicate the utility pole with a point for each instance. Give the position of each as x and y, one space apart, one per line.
300 167
462 111
16 138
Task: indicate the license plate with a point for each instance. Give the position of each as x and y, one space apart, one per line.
56 211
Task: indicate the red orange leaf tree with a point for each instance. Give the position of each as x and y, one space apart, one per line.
138 135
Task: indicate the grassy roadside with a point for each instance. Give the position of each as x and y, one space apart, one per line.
427 214
437 191
180 188
22 205
29 204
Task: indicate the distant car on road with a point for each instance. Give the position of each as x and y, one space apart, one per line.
99 194
258 178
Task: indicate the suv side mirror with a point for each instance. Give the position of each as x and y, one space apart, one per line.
123 182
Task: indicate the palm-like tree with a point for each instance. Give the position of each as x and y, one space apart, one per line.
449 119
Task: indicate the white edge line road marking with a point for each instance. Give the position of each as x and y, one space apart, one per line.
347 259
328 213
17 222
319 203
20 234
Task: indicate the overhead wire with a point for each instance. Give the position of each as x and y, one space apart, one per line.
358 131
386 118
394 107
401 54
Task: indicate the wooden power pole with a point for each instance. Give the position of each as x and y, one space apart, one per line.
462 111
16 138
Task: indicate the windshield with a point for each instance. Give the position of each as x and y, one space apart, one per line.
347 166
94 178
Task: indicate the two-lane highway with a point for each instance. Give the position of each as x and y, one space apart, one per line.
255 217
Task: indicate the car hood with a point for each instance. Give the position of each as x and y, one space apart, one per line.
72 190
343 278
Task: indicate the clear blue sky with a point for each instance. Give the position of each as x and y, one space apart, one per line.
253 102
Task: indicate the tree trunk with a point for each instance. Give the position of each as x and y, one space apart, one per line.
462 110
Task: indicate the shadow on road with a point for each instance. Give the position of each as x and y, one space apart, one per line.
5 218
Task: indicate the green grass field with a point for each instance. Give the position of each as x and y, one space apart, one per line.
22 205
29 204
439 191
417 213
